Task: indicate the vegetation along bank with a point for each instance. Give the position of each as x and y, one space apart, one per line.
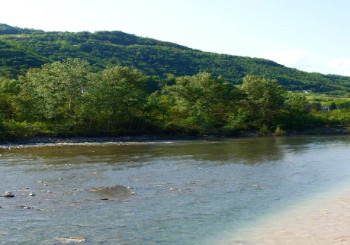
59 84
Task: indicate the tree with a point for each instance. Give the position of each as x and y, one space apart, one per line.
296 112
55 91
333 106
117 96
9 90
263 99
201 102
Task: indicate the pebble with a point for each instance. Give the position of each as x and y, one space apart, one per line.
71 240
26 207
7 194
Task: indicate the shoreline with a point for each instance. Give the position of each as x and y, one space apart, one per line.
321 220
160 137
47 140
60 141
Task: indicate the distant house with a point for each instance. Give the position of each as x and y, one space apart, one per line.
325 108
333 106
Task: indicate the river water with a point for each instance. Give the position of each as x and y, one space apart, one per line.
162 192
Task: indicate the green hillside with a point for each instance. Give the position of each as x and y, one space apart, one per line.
15 59
21 49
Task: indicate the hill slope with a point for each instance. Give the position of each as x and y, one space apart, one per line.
21 49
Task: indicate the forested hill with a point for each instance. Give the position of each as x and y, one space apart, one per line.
21 49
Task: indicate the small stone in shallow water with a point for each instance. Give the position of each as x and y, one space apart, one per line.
71 240
25 207
117 192
7 194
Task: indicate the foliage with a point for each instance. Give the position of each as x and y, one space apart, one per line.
117 96
201 100
263 99
55 91
279 131
113 83
21 49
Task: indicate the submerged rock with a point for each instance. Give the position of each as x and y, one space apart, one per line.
71 240
29 208
26 207
7 194
118 192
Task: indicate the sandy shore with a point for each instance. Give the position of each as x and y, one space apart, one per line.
324 220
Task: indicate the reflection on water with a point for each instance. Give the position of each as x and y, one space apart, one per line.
246 150
181 192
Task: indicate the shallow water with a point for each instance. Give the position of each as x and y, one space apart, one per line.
182 192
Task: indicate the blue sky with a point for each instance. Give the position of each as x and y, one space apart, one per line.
311 35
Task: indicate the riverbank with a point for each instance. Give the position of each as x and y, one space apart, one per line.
323 220
161 137
56 141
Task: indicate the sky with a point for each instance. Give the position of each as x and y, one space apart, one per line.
310 35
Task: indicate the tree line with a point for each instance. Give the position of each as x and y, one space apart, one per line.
68 98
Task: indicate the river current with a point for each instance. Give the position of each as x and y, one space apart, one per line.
161 192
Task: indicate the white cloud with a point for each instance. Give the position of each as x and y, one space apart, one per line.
339 66
290 57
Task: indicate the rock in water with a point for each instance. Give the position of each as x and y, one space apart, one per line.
71 240
7 194
116 192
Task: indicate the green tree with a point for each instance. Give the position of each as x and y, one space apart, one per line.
296 114
264 98
201 102
117 97
55 91
9 90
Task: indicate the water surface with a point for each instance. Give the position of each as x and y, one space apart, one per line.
181 192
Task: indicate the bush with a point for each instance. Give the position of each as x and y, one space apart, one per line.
279 131
264 131
25 129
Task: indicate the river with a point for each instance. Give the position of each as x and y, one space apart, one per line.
163 192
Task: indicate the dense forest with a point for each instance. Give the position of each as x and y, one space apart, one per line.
112 83
21 49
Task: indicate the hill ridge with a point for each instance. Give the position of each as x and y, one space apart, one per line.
151 56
